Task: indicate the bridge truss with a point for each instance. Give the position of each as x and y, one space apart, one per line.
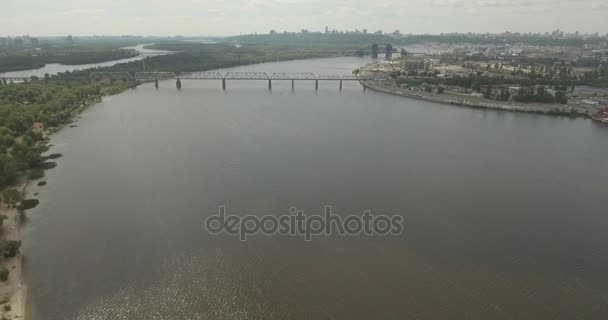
226 76
210 75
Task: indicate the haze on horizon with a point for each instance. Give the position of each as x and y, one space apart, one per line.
223 17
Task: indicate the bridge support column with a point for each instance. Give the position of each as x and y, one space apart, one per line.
156 83
269 84
293 84
178 84
340 85
316 85
224 84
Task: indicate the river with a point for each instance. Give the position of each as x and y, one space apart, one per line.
55 68
505 213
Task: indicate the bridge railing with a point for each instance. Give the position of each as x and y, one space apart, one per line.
210 75
293 76
201 75
247 76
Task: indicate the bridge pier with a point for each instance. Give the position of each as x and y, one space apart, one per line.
178 84
340 85
224 84
293 84
269 85
316 85
156 83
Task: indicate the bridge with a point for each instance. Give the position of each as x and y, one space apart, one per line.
224 77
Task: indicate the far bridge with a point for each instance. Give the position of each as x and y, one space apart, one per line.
224 77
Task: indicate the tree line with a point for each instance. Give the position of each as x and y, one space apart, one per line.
28 110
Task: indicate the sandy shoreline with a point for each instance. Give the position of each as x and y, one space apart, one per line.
14 290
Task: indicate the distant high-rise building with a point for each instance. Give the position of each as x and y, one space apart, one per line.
326 29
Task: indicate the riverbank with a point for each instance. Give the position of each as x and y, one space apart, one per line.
457 100
389 86
13 292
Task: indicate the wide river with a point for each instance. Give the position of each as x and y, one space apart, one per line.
505 213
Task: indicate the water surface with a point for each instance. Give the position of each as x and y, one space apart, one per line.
505 212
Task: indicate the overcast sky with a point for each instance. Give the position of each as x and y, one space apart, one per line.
233 17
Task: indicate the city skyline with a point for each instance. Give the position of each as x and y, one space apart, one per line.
223 18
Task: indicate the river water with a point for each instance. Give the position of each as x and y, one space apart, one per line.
505 213
55 68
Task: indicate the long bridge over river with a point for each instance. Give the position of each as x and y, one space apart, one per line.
218 76
224 77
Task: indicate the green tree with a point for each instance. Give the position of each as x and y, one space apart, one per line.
9 170
6 141
561 97
9 248
11 197
3 274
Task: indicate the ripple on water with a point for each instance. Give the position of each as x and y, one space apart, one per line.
202 286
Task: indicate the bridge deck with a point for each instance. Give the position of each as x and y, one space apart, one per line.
225 76
150 76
